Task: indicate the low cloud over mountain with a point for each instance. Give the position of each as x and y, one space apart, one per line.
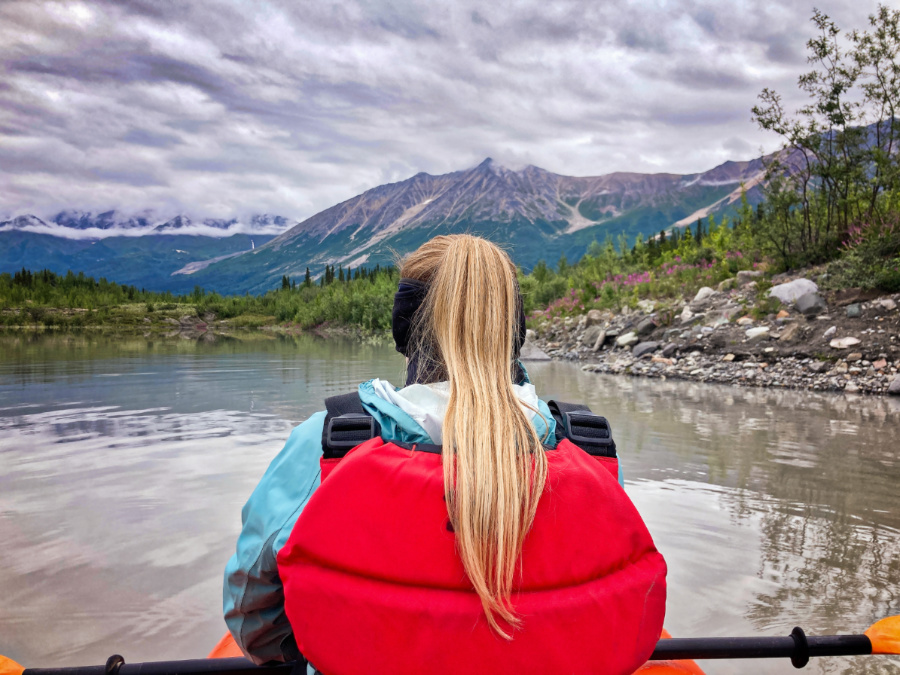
87 226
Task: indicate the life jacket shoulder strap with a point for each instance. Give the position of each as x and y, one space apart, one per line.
347 424
590 432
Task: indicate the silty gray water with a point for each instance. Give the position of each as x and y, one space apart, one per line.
124 463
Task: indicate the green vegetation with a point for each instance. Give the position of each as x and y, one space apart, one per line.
362 298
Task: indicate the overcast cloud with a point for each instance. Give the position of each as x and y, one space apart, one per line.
225 109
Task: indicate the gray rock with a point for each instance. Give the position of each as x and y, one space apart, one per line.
894 387
758 333
811 304
744 277
790 332
854 310
630 338
590 335
531 352
644 348
703 294
601 338
831 331
886 304
530 335
669 350
817 366
646 327
594 317
844 343
686 314
726 285
792 290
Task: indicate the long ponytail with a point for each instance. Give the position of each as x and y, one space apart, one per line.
493 458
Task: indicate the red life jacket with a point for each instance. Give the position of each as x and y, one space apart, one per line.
373 582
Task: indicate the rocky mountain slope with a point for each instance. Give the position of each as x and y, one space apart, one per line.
534 213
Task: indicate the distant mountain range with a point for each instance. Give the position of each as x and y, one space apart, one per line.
534 213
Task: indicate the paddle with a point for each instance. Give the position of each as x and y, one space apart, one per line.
883 637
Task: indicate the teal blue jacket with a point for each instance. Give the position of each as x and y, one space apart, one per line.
253 593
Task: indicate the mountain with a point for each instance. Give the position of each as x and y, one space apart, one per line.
143 250
534 213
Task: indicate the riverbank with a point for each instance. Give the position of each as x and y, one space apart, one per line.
174 320
746 332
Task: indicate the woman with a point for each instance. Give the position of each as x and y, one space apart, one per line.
461 535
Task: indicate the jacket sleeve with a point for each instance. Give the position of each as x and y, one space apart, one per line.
253 594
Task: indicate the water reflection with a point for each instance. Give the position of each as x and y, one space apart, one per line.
794 497
125 464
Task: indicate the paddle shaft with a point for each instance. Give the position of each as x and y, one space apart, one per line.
798 649
759 647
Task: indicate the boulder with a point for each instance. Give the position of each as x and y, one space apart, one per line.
844 343
726 285
531 352
894 387
730 312
590 335
644 348
594 317
630 338
854 311
792 290
811 304
646 326
744 277
758 333
703 294
790 333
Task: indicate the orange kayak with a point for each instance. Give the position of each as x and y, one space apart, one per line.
227 648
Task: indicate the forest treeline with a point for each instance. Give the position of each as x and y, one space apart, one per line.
830 200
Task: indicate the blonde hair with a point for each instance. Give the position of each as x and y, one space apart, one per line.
494 462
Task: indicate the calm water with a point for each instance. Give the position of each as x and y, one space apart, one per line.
124 464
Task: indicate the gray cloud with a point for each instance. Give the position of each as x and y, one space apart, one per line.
225 110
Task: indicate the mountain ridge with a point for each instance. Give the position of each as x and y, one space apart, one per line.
535 213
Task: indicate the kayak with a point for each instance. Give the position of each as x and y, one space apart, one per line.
227 648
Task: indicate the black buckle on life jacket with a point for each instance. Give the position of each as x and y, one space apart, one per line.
590 432
347 431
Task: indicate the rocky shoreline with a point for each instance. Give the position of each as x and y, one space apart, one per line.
790 336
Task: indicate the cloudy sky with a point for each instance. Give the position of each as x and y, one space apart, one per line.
224 109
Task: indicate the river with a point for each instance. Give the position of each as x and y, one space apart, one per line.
124 463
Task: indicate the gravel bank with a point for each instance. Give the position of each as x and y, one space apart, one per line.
846 341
